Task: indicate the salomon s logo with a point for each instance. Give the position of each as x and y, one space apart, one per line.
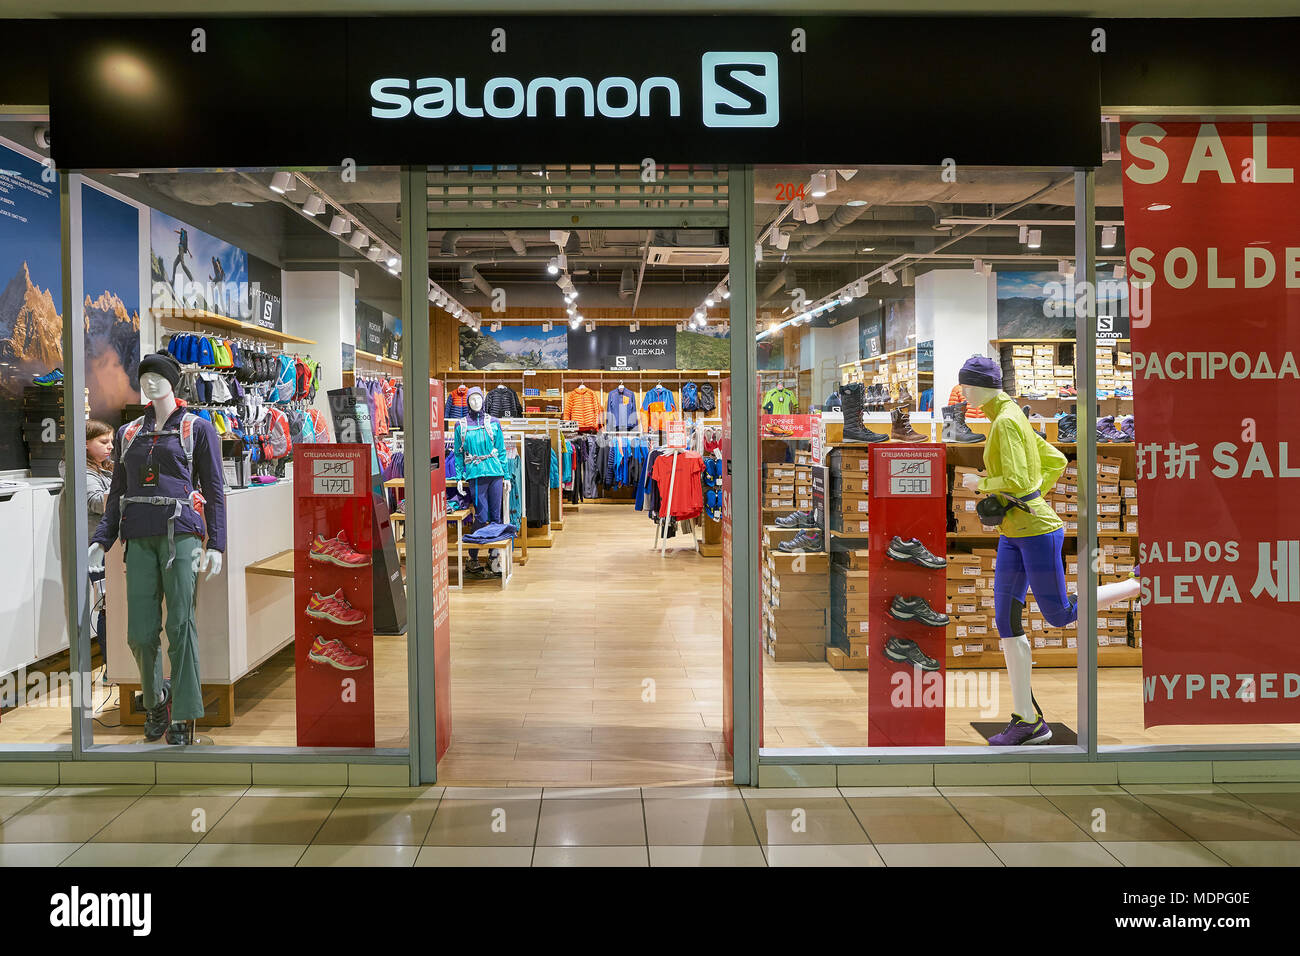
740 89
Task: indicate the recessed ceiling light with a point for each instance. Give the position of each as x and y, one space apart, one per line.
856 202
242 205
868 248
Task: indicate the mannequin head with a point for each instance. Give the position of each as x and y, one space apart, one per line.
980 379
475 399
977 395
154 386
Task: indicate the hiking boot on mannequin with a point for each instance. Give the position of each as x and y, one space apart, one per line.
955 428
854 429
903 430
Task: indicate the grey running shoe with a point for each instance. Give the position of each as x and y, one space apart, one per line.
157 718
907 652
914 551
796 519
808 541
916 608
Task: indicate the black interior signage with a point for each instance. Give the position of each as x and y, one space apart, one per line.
602 348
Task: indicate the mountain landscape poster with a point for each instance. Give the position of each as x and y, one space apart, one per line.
515 346
110 242
708 347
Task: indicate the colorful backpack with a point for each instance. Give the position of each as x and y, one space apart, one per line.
278 442
319 426
286 378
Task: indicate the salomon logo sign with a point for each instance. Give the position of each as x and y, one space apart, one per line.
740 89
504 97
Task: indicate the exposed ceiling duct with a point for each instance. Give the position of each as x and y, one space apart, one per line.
627 283
823 230
470 279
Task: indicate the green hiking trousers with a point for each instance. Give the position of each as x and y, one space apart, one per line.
148 582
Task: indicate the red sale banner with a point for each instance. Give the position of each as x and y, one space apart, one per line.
1210 213
441 595
786 426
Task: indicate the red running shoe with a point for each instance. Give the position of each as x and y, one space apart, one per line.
336 654
334 608
337 550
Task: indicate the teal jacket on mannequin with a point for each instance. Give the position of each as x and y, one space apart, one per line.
480 447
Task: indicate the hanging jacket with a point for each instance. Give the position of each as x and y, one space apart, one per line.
658 408
620 410
178 479
457 406
1020 462
704 399
582 406
502 402
480 448
689 399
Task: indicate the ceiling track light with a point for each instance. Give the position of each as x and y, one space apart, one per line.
283 182
810 214
978 266
1065 267
889 276
1024 235
591 326
358 240
393 258
340 226
314 205
553 267
373 253
818 185
1109 234
1035 239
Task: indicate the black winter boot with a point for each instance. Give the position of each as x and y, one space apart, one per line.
854 429
955 428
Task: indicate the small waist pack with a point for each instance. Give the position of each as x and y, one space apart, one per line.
994 508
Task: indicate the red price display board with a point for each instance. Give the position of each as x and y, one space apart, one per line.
333 629
441 595
905 679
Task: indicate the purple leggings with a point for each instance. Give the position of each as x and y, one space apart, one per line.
1032 562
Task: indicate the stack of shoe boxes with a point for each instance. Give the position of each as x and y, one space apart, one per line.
1124 371
803 481
1106 368
796 596
963 502
778 485
1064 496
1109 504
1116 564
850 491
1128 492
1045 369
970 630
1018 368
849 602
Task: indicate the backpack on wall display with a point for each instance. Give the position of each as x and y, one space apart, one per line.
286 378
319 425
278 441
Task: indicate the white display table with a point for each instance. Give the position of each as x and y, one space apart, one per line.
243 619
31 601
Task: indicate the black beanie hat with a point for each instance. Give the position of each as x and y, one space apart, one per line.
164 364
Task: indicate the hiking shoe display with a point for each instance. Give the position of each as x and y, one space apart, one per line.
851 402
336 654
1067 428
180 732
905 397
338 551
1106 426
914 551
334 608
955 428
1126 426
918 609
907 652
808 541
157 718
902 429
1021 732
50 379
796 519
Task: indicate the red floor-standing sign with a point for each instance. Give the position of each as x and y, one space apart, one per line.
908 491
335 686
441 595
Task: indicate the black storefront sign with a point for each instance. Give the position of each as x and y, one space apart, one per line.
778 89
614 347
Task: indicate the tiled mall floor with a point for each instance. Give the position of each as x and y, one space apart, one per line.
177 825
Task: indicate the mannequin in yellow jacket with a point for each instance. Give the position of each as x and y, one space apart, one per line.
1019 462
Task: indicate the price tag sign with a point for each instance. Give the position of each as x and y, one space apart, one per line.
321 485
333 470
909 476
676 433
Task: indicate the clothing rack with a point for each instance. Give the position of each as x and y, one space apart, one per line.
661 526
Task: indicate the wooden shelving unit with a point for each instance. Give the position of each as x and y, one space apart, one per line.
379 359
213 320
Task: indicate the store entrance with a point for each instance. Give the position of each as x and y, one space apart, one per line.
586 641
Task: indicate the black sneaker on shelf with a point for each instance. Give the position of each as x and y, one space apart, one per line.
916 608
808 541
180 732
914 551
796 519
157 718
907 652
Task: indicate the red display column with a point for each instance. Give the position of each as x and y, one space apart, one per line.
441 594
908 489
333 638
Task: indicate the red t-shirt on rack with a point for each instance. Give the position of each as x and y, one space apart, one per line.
687 492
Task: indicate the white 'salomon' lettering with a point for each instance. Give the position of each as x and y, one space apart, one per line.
505 97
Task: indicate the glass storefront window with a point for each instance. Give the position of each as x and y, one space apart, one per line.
885 595
243 375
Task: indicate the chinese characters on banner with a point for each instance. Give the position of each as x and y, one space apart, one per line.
1210 214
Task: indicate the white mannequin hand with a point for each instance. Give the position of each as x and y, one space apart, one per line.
971 481
209 561
95 557
460 486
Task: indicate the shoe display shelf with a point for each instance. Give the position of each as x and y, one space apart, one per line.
892 369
